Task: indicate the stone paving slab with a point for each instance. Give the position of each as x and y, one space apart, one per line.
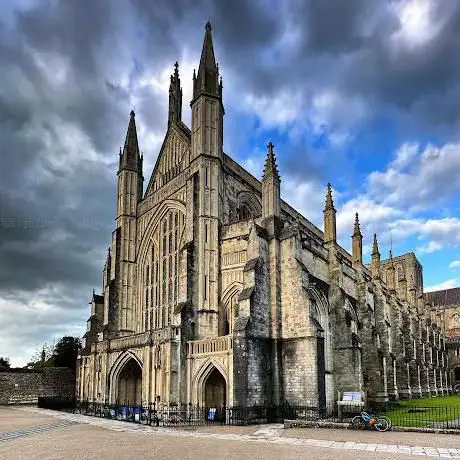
6 436
267 433
374 437
11 419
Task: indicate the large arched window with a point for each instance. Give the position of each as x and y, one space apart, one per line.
161 271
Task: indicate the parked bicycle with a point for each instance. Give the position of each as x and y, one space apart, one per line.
364 420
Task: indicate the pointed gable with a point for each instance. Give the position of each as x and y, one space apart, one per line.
173 158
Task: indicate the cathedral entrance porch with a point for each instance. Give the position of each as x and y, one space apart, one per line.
210 371
130 383
215 390
126 380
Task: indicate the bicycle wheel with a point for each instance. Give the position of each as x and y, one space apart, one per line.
381 424
383 417
358 423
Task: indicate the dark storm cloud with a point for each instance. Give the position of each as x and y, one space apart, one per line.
353 39
64 105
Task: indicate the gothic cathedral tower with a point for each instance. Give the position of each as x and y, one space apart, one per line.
206 164
129 193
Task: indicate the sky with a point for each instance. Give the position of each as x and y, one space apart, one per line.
364 94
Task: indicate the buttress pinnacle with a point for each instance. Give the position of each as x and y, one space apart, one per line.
357 229
329 201
375 246
270 167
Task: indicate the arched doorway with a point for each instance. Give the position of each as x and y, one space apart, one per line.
129 387
319 318
215 390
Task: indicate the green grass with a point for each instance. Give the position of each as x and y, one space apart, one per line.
439 409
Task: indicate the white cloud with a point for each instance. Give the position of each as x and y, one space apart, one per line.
432 246
448 284
44 313
277 111
326 112
418 178
306 197
443 231
373 216
416 21
455 264
405 154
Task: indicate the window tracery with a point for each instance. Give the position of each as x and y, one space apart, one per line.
161 272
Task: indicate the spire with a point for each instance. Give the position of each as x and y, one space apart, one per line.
207 79
130 158
330 227
270 168
175 96
357 230
375 247
391 280
375 258
329 201
357 245
270 185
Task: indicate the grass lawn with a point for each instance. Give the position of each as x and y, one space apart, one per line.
426 412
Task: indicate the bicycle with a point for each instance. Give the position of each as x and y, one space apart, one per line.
364 420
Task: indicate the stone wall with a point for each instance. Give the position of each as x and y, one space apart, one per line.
24 386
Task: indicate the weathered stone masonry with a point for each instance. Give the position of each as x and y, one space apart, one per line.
217 292
24 386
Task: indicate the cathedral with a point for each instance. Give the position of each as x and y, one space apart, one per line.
216 292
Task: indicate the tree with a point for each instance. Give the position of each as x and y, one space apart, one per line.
43 357
66 352
4 362
62 353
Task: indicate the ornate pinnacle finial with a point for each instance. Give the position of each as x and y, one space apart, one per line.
329 201
94 291
357 230
132 114
270 168
375 246
208 25
270 146
194 74
391 254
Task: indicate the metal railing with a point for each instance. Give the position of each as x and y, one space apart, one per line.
156 414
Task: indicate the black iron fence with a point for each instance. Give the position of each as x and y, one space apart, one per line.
155 414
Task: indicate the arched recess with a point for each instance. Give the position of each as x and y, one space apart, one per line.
228 310
319 316
159 265
249 206
117 369
351 317
206 380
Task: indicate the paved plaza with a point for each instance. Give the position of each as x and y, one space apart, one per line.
33 433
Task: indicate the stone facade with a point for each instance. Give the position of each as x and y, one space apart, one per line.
446 314
217 292
24 386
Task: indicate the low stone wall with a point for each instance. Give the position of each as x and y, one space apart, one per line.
24 386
